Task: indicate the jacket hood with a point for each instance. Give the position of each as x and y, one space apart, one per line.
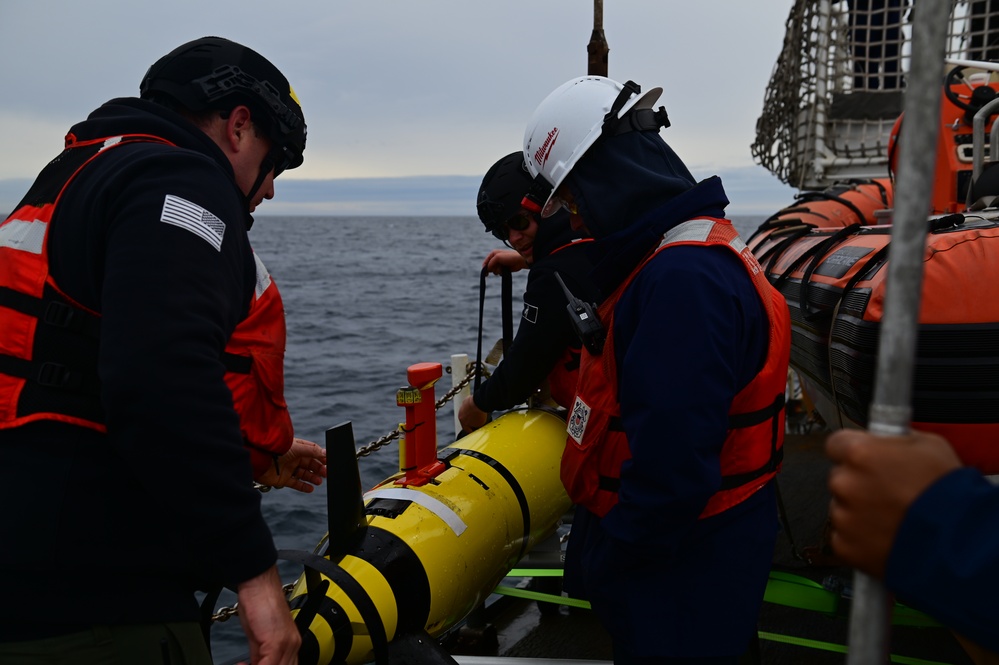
623 177
616 255
130 115
554 232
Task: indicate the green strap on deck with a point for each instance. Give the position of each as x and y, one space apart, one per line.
542 597
839 648
800 592
782 589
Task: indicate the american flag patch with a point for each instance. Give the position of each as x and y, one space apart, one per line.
195 219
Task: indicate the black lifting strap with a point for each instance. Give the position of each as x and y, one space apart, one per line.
506 300
507 314
482 309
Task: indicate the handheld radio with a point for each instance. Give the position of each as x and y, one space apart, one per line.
584 320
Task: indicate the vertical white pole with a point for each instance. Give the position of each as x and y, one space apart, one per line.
891 408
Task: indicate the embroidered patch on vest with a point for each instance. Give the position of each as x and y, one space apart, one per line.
263 277
24 235
576 424
193 218
530 313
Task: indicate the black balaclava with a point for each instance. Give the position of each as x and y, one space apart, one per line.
620 178
553 232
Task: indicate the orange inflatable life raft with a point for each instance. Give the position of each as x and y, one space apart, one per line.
841 204
833 280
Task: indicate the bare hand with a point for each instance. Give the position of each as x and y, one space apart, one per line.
498 259
875 481
471 416
267 622
303 468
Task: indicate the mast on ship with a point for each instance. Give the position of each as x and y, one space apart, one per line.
597 49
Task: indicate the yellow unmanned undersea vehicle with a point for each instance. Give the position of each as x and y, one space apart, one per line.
415 555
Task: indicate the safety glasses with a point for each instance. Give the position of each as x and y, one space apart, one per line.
559 200
516 223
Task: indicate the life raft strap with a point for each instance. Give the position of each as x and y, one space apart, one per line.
818 249
828 195
795 231
810 314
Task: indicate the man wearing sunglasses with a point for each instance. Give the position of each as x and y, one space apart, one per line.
141 373
546 345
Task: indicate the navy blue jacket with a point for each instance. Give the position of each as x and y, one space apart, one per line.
690 332
124 527
945 558
545 330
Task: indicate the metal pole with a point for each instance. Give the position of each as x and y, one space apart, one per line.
891 408
597 49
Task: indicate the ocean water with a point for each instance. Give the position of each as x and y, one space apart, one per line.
365 298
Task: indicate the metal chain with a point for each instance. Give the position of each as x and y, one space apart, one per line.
226 613
470 370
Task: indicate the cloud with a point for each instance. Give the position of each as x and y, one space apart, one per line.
398 89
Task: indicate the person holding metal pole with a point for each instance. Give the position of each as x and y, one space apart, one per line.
890 412
906 511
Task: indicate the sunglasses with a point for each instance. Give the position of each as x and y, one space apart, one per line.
515 223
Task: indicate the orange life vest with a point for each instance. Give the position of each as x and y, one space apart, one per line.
63 385
564 376
753 449
254 359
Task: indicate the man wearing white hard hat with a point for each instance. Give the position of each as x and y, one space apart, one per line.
676 432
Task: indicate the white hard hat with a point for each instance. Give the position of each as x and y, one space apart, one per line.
571 119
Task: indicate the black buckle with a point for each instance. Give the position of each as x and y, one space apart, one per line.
59 315
54 375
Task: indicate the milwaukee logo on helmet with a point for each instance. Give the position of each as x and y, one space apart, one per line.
542 154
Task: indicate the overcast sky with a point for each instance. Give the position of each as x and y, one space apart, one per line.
400 88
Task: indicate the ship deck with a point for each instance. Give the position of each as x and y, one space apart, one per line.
513 630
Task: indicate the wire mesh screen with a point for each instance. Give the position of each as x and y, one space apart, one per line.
836 89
